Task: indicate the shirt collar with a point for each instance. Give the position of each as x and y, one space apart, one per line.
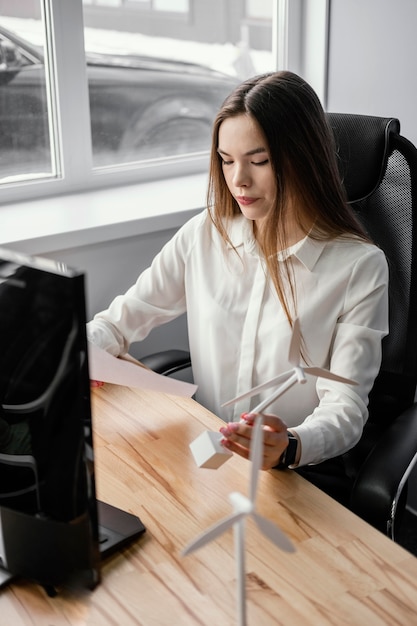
307 251
240 232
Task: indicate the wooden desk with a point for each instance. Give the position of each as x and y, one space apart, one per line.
343 572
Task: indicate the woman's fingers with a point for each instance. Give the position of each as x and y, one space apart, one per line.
96 383
273 422
237 438
243 451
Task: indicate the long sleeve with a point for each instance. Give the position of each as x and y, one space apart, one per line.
349 324
157 297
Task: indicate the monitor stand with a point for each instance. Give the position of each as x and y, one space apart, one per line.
5 577
116 528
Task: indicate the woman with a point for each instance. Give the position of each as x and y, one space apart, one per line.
278 241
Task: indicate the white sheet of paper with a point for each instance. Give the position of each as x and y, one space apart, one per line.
109 369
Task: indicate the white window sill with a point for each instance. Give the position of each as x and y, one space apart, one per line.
58 223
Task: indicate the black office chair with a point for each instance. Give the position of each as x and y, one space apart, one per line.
20 484
20 488
379 170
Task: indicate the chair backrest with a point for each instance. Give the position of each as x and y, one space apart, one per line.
379 169
22 482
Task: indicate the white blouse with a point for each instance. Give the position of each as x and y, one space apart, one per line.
239 335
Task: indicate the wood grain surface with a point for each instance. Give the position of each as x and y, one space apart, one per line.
343 570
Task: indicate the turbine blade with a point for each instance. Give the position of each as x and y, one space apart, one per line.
319 371
255 456
212 533
274 533
277 393
295 344
252 392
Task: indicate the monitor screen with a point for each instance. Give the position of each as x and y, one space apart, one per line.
49 529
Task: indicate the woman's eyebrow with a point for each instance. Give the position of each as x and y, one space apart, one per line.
249 153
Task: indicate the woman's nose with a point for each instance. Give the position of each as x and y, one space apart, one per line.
241 177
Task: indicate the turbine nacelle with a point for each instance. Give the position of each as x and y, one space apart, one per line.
241 503
301 377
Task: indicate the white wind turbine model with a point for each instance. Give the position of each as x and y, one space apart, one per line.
243 506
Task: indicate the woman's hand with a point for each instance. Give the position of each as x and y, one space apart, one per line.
96 383
237 438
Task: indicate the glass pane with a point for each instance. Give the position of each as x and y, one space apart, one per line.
25 112
156 80
177 6
112 3
259 8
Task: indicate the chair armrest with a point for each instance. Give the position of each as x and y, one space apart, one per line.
378 486
167 362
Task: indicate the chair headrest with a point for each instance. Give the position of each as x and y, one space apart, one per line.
362 143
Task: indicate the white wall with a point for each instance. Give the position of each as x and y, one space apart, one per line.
112 267
372 60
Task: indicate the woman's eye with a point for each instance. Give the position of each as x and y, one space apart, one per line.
257 163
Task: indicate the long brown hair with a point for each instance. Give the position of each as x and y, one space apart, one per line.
303 158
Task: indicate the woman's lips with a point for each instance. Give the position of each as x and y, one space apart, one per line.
245 200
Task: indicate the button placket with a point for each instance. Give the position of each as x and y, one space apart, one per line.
249 334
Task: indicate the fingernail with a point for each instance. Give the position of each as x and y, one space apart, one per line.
248 416
229 429
96 383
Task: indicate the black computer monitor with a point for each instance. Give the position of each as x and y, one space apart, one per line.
52 529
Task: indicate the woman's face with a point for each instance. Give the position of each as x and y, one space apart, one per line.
246 166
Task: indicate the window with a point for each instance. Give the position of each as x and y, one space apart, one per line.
27 118
180 6
155 84
259 8
142 105
175 6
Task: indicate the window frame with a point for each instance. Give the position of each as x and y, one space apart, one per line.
64 22
66 36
